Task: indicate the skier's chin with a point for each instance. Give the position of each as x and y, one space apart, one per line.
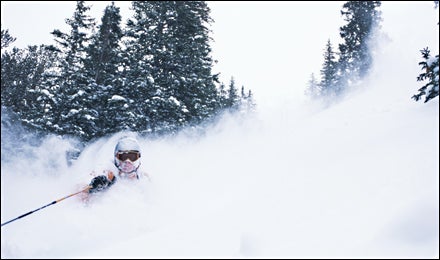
127 167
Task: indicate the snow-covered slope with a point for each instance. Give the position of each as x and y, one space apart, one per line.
359 178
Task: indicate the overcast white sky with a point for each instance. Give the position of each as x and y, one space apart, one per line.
356 180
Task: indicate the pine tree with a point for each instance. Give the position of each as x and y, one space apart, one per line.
10 78
22 75
103 70
105 50
355 55
232 101
223 96
6 38
328 84
8 69
75 114
430 66
174 78
140 94
198 91
247 104
313 88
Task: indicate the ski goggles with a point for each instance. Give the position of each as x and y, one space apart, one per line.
130 155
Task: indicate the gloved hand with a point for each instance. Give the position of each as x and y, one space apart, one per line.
99 183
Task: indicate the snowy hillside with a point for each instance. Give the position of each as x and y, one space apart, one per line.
357 179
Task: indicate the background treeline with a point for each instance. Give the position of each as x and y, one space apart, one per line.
152 76
345 68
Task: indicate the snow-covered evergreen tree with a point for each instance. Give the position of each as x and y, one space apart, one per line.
74 113
153 76
140 93
103 69
247 103
169 63
197 88
355 55
430 67
223 96
6 38
430 74
313 88
328 84
233 99
105 48
22 84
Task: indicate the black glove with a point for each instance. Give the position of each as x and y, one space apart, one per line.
100 183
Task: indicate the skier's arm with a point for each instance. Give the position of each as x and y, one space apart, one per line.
101 182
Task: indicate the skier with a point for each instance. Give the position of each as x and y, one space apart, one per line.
127 162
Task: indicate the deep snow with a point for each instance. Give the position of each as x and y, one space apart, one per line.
359 178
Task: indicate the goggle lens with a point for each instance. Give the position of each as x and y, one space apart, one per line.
132 156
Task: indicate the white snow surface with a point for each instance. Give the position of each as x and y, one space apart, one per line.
357 179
